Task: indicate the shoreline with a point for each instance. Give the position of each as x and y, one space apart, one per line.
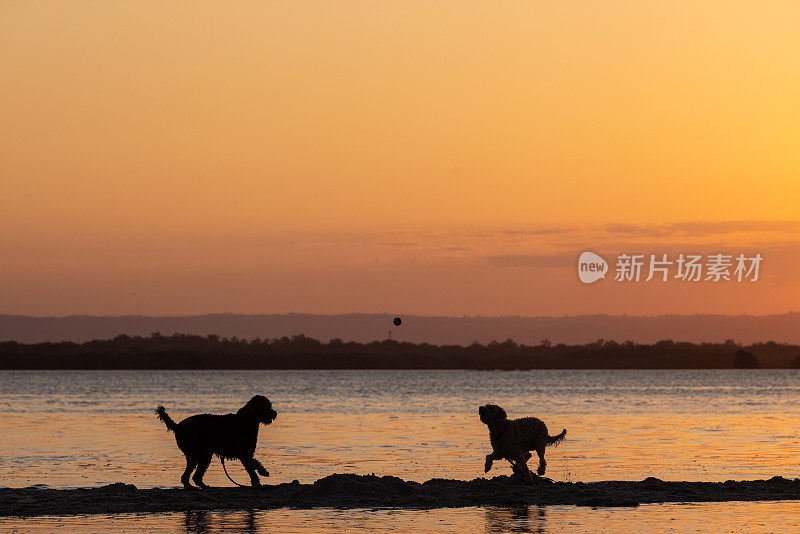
181 351
345 491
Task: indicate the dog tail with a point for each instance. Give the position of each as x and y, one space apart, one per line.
161 412
555 440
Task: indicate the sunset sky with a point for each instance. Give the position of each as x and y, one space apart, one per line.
448 157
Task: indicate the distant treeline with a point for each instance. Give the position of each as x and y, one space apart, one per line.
299 352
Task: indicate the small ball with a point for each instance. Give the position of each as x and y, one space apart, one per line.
397 321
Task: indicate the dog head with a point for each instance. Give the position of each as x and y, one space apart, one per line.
492 414
262 408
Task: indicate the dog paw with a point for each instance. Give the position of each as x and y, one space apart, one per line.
487 466
540 471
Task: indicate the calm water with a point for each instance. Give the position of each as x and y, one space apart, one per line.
85 428
753 518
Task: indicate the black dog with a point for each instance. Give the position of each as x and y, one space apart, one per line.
232 435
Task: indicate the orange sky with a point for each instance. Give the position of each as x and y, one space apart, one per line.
418 157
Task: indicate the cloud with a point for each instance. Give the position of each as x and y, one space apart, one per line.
532 260
728 227
636 230
401 244
701 228
541 231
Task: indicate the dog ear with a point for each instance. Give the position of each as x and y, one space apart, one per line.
251 406
261 407
501 413
259 403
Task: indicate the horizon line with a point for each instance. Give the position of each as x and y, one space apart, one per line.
390 314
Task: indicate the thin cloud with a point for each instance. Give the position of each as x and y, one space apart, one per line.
542 231
531 260
728 227
700 228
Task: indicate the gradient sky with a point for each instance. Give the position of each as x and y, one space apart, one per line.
411 157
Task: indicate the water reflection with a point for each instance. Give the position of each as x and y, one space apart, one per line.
527 519
715 518
532 519
205 522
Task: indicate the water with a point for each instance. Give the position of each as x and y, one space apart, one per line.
751 517
85 428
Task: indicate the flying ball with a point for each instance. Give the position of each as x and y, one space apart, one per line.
397 321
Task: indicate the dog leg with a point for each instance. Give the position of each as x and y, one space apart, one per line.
260 468
520 466
202 465
490 458
191 463
527 473
542 463
250 467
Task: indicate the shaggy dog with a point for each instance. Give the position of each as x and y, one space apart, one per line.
512 439
232 435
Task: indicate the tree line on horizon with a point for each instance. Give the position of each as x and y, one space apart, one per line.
182 351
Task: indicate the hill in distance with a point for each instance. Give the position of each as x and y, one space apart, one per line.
364 328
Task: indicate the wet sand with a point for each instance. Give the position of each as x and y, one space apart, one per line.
358 491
